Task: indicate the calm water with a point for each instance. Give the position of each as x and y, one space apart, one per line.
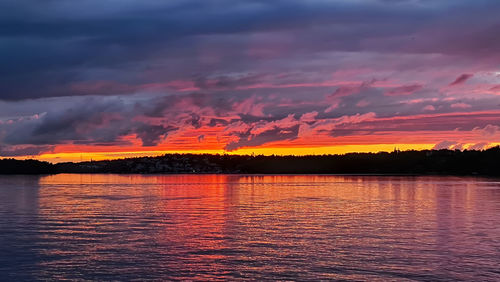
201 227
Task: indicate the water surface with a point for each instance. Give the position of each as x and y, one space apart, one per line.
203 227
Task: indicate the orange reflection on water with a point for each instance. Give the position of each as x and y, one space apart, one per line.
264 226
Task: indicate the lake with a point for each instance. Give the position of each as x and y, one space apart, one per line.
258 227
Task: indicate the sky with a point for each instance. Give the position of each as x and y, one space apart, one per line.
100 79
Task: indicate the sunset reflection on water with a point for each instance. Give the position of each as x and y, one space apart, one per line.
250 226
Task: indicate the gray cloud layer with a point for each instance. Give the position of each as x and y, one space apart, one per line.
48 47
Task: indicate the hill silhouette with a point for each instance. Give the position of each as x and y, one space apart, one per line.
426 162
12 166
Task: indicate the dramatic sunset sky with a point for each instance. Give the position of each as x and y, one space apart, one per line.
112 78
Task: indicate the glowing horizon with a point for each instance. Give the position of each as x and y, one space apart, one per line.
335 150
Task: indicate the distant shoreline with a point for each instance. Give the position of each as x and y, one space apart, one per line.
401 163
262 174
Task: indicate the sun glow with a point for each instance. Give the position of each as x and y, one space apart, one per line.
341 149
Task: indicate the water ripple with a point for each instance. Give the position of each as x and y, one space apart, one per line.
243 227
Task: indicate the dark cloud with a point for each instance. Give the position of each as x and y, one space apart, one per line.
247 139
461 79
404 90
351 89
62 48
218 121
94 122
15 151
151 135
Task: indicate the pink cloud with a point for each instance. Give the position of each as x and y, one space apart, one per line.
250 107
429 108
309 117
333 123
362 103
495 89
445 145
488 131
479 146
460 106
262 127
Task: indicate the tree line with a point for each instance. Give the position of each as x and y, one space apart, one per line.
425 162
